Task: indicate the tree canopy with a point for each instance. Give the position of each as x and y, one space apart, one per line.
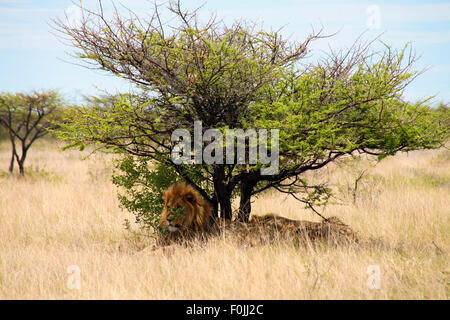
240 76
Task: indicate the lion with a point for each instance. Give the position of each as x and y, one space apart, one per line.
187 213
331 229
185 209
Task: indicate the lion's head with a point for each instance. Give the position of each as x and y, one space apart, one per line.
185 208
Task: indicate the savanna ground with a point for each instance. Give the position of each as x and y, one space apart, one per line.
66 212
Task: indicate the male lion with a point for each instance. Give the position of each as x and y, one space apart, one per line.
187 213
185 209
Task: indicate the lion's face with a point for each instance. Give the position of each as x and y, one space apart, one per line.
185 208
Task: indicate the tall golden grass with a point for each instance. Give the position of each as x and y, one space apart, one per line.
66 212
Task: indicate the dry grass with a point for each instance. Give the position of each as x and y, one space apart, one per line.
66 213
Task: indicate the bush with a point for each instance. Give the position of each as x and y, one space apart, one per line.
143 185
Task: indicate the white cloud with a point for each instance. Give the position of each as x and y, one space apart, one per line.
12 1
26 28
28 41
416 13
418 38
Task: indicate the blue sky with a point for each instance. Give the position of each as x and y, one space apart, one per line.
31 57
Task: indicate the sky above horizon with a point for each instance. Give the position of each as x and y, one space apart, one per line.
31 56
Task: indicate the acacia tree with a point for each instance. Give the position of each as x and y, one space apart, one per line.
27 118
240 76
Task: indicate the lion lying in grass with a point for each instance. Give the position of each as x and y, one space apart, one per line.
187 214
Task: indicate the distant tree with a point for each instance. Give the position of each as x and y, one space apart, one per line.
27 118
239 76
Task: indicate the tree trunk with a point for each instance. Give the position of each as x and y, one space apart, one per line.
21 161
21 168
13 152
11 163
224 200
215 206
245 205
222 193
